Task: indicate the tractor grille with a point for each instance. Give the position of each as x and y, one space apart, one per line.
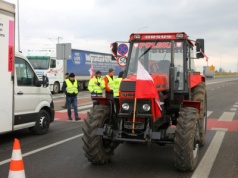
127 86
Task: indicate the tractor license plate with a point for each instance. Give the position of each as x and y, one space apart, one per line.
138 125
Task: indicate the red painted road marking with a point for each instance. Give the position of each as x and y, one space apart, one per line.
63 116
232 126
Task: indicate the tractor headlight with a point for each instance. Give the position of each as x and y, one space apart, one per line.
146 107
125 106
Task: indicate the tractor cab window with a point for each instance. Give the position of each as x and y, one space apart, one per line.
156 59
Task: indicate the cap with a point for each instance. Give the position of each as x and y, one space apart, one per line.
71 75
110 70
67 73
98 72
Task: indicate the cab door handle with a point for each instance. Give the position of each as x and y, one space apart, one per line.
20 93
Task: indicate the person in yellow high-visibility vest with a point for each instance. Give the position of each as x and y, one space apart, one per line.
96 86
117 83
109 83
71 89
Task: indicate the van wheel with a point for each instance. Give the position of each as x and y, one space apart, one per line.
56 88
42 123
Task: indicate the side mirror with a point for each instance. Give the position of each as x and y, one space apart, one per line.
52 63
45 82
199 48
114 50
38 83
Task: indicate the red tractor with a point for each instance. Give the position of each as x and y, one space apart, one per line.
169 60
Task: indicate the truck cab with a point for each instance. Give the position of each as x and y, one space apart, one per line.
50 67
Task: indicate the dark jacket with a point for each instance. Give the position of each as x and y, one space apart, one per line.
68 94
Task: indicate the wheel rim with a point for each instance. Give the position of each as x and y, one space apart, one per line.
43 122
196 141
106 143
56 88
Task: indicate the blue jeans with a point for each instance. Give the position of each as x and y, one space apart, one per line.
72 101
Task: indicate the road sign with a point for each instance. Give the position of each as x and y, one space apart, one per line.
121 61
63 51
122 49
212 68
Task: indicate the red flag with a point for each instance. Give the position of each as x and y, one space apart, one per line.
145 87
91 71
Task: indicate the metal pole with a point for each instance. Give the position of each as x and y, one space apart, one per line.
134 117
18 24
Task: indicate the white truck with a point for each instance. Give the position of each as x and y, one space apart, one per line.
25 101
209 71
50 67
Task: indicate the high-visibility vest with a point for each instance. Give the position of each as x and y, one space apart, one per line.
71 88
117 83
92 87
110 82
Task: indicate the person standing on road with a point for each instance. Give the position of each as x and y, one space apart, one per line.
109 83
71 89
117 83
96 86
66 76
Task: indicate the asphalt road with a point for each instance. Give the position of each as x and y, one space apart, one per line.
59 153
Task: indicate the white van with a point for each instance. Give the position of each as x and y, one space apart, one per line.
25 101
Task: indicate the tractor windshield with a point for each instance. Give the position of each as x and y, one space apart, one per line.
156 58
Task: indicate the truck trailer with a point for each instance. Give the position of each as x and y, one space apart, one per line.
79 62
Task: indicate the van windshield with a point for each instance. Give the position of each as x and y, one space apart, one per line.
39 62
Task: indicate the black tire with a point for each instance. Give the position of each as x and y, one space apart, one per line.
199 94
56 88
186 140
42 123
97 149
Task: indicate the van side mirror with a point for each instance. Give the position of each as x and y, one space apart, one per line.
199 48
114 50
45 80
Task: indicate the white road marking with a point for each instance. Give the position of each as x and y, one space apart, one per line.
233 109
235 106
209 113
205 165
227 116
44 148
219 129
80 107
85 111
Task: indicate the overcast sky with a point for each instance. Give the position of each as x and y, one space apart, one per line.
94 24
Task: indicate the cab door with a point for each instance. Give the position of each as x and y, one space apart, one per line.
26 93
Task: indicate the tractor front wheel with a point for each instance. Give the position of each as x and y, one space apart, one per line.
97 149
187 139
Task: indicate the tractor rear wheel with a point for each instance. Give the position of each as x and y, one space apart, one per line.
199 94
187 138
97 149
